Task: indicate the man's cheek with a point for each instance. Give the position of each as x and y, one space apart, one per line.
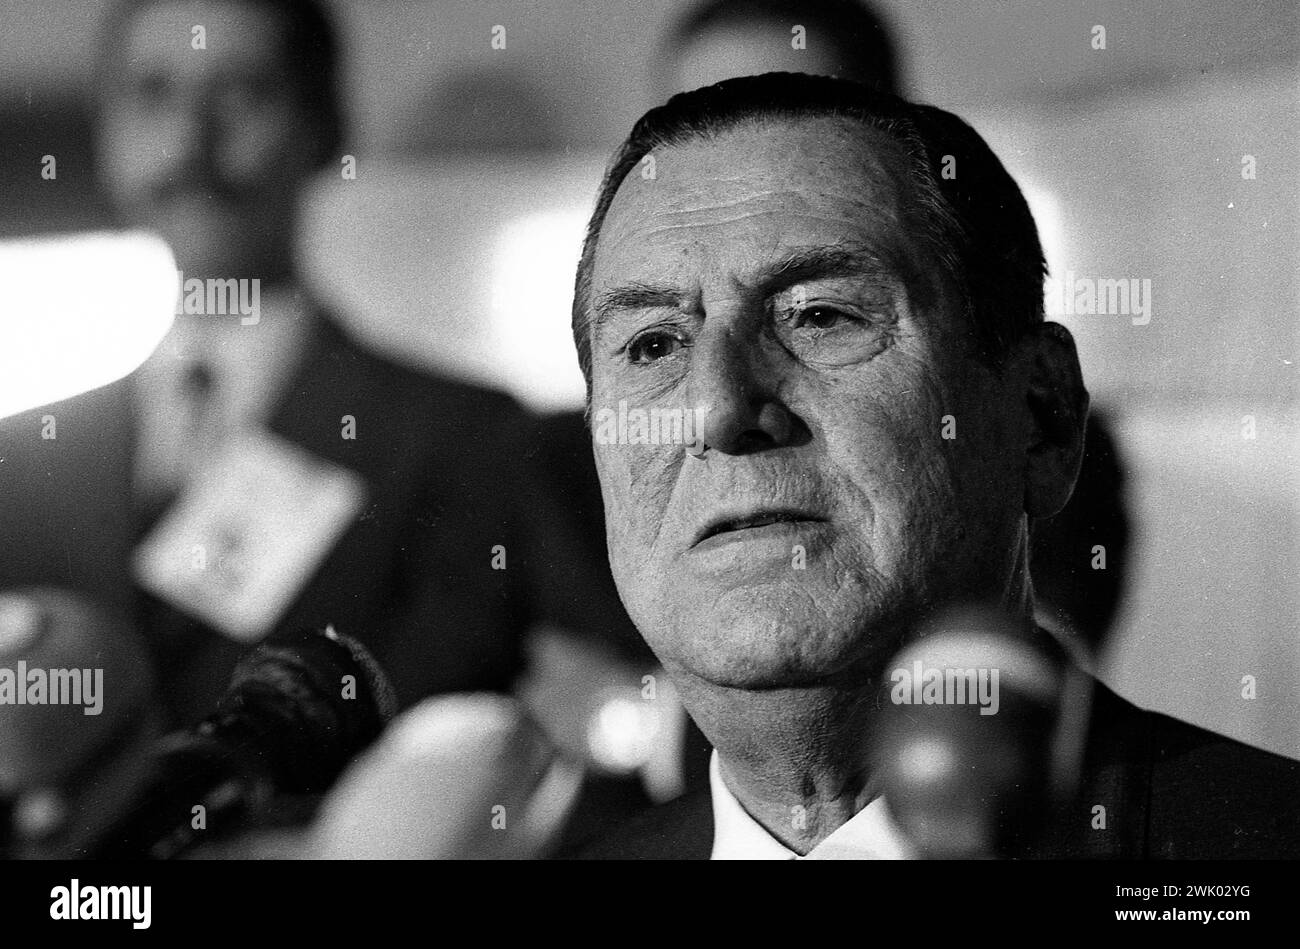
926 429
648 470
129 164
903 475
637 484
652 471
261 154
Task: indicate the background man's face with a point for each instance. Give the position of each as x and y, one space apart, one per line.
208 147
750 49
770 276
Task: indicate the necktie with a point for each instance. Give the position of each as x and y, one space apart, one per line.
200 415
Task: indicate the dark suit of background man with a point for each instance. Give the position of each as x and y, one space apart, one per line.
798 268
402 520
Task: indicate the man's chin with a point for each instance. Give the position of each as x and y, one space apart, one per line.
207 241
203 257
770 651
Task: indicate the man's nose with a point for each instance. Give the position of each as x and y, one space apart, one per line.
737 385
194 141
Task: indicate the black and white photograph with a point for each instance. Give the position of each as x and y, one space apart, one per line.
649 430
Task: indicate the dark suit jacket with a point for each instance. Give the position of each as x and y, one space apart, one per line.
1171 791
448 468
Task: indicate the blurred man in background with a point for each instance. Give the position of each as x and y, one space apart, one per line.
263 472
212 147
718 39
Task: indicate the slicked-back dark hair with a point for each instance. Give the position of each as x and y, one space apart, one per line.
311 51
850 27
973 221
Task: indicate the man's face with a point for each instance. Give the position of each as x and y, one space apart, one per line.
771 276
208 147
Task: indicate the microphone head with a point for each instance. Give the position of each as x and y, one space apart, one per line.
302 705
78 712
72 677
967 745
299 707
376 680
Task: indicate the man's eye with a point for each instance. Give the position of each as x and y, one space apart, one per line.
833 334
152 89
821 317
653 345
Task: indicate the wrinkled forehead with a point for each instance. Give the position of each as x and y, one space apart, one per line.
735 199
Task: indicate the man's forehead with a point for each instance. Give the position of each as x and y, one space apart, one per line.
162 32
822 178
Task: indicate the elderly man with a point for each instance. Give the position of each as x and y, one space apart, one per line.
847 288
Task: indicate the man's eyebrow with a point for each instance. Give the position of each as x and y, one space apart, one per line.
831 260
634 296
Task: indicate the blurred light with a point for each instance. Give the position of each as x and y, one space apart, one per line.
21 623
39 814
79 312
534 260
926 761
622 732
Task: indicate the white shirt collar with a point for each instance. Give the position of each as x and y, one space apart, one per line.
869 835
250 365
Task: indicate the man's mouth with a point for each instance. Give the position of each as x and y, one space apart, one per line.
739 527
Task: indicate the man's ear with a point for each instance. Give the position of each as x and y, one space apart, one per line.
1058 413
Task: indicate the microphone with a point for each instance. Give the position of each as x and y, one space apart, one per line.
978 747
297 710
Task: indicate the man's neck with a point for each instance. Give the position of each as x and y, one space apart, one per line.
803 772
